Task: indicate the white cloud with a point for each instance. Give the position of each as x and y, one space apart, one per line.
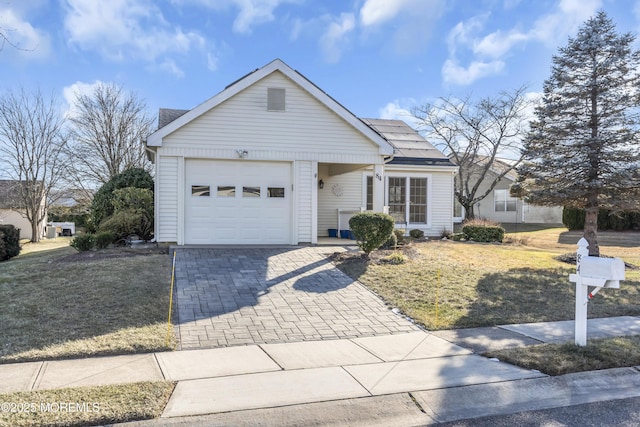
498 44
126 30
23 40
334 40
401 109
454 73
409 22
378 11
250 12
170 66
489 52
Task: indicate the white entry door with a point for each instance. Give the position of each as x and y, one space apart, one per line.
237 202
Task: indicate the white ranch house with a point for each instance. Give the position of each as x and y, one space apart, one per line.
273 159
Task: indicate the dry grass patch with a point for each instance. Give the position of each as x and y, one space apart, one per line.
460 285
61 304
84 406
560 359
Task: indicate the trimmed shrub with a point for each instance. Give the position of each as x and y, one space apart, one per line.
83 242
480 233
399 233
9 241
456 237
371 229
122 224
104 239
416 233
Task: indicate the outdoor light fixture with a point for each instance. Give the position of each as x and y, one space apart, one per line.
242 153
321 184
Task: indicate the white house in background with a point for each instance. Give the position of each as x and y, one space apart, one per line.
500 206
273 159
12 208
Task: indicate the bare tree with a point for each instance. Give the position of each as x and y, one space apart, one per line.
474 135
32 144
107 130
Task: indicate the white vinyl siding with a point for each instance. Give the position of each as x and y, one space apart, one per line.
351 187
307 130
167 195
305 181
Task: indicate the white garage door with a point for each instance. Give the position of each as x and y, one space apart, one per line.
237 202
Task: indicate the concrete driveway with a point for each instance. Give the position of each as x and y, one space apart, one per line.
238 296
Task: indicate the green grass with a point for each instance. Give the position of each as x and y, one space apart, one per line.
57 303
461 284
559 359
90 405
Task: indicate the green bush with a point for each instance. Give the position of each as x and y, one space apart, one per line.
104 239
392 242
399 233
573 218
416 233
480 233
139 199
456 237
371 229
83 242
396 258
9 241
102 205
124 223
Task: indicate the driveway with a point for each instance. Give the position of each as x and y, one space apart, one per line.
238 296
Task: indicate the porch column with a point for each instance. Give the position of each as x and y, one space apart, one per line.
378 188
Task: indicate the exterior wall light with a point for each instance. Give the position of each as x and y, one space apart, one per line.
321 184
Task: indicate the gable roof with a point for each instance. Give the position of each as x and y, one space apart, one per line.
167 126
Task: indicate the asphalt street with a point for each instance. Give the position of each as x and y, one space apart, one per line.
619 413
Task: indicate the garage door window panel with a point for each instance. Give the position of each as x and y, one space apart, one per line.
226 191
275 192
250 191
200 191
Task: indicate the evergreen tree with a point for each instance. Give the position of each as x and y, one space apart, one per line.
583 148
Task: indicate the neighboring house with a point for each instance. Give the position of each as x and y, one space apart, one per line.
273 159
500 206
12 208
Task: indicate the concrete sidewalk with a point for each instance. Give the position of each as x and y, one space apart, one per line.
417 377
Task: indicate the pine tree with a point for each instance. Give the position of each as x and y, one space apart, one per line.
583 148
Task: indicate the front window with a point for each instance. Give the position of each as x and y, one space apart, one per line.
503 201
418 201
398 198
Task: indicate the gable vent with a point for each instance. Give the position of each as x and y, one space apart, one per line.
275 99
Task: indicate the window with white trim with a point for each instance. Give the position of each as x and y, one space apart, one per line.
503 201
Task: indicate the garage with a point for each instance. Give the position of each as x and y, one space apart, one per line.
237 202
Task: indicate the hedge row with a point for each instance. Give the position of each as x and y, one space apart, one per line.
483 233
573 219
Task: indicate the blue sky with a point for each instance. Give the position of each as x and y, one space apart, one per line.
379 58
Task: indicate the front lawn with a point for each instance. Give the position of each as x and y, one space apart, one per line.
84 406
57 303
446 285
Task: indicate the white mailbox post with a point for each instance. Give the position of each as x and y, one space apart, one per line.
592 271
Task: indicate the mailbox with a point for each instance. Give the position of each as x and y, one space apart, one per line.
605 272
